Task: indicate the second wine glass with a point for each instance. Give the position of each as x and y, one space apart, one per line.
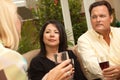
103 62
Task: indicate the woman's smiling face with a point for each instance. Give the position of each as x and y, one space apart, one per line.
51 36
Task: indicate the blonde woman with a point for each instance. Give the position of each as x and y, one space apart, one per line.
12 64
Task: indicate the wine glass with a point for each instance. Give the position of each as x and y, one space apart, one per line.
103 62
59 57
62 56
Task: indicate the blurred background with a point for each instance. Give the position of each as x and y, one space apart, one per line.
72 13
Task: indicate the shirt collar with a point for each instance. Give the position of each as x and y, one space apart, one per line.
100 36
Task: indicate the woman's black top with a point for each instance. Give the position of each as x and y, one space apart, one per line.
40 65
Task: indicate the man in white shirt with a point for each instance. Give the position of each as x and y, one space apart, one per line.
101 41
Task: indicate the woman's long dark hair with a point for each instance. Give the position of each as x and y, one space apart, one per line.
62 39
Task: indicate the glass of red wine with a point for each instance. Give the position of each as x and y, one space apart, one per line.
103 62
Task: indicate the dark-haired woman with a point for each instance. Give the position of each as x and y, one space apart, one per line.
53 40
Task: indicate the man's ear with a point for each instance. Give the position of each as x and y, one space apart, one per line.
112 18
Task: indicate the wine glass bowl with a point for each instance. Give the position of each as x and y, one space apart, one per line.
104 65
103 62
59 57
62 56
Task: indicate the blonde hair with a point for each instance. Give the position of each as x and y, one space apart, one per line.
8 31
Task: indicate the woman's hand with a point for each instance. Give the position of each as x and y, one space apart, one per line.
63 71
112 73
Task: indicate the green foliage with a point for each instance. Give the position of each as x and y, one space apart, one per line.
29 39
115 22
46 10
77 18
79 29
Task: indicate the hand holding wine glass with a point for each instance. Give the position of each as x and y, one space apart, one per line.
62 56
59 57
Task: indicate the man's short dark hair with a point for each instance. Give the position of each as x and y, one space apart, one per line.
100 3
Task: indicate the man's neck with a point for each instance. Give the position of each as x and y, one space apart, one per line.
106 36
107 39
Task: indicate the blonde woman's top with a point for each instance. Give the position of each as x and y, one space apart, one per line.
13 64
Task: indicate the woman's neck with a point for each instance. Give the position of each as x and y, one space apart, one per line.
51 51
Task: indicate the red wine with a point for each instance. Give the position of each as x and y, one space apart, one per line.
104 65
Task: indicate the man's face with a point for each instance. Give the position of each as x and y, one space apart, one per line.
101 19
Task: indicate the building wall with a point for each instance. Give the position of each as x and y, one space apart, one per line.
117 9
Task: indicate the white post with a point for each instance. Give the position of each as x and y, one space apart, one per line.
67 19
87 3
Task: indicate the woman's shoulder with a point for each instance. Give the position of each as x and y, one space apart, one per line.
71 54
9 52
36 62
70 51
12 57
37 58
